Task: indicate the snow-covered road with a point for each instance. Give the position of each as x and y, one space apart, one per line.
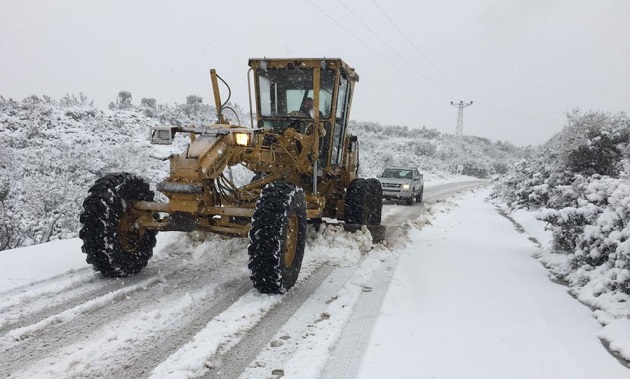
466 300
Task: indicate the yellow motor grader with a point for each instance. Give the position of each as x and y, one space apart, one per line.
305 163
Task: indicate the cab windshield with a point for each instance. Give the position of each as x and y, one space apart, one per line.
286 92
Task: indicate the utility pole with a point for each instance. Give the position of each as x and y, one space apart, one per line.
460 116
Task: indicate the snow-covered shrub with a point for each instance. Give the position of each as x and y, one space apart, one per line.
476 168
525 185
599 141
580 182
603 241
51 152
591 143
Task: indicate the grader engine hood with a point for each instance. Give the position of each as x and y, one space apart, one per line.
209 152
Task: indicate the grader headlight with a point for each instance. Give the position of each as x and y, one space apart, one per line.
242 139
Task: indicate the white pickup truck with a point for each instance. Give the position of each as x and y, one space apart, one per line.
405 183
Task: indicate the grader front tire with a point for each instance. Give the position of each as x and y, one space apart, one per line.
277 238
112 246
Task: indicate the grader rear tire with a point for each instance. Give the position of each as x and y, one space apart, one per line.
357 203
277 238
111 246
375 196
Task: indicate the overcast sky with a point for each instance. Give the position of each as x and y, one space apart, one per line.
524 63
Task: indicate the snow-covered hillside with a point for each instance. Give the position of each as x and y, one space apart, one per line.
52 151
436 154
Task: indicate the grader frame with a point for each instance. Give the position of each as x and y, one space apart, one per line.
305 161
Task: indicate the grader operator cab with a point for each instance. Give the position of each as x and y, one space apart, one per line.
305 162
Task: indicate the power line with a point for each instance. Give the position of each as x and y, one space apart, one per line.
382 40
366 44
518 114
411 42
355 36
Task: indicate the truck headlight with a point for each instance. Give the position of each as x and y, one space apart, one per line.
242 139
405 186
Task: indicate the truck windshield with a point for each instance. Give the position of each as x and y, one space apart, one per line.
397 173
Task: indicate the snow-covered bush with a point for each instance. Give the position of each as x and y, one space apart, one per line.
603 241
591 143
579 180
51 152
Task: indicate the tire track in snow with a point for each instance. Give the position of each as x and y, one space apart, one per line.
227 328
20 334
232 360
38 287
226 266
61 295
45 289
142 336
32 303
235 324
302 346
215 342
146 356
346 355
52 286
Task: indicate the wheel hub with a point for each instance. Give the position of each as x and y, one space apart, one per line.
128 236
292 238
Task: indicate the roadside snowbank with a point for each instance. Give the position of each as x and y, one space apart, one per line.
611 309
25 265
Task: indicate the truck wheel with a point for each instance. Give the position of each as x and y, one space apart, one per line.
420 195
409 200
375 194
357 202
112 246
277 238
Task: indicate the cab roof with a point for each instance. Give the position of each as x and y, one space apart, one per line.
278 63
